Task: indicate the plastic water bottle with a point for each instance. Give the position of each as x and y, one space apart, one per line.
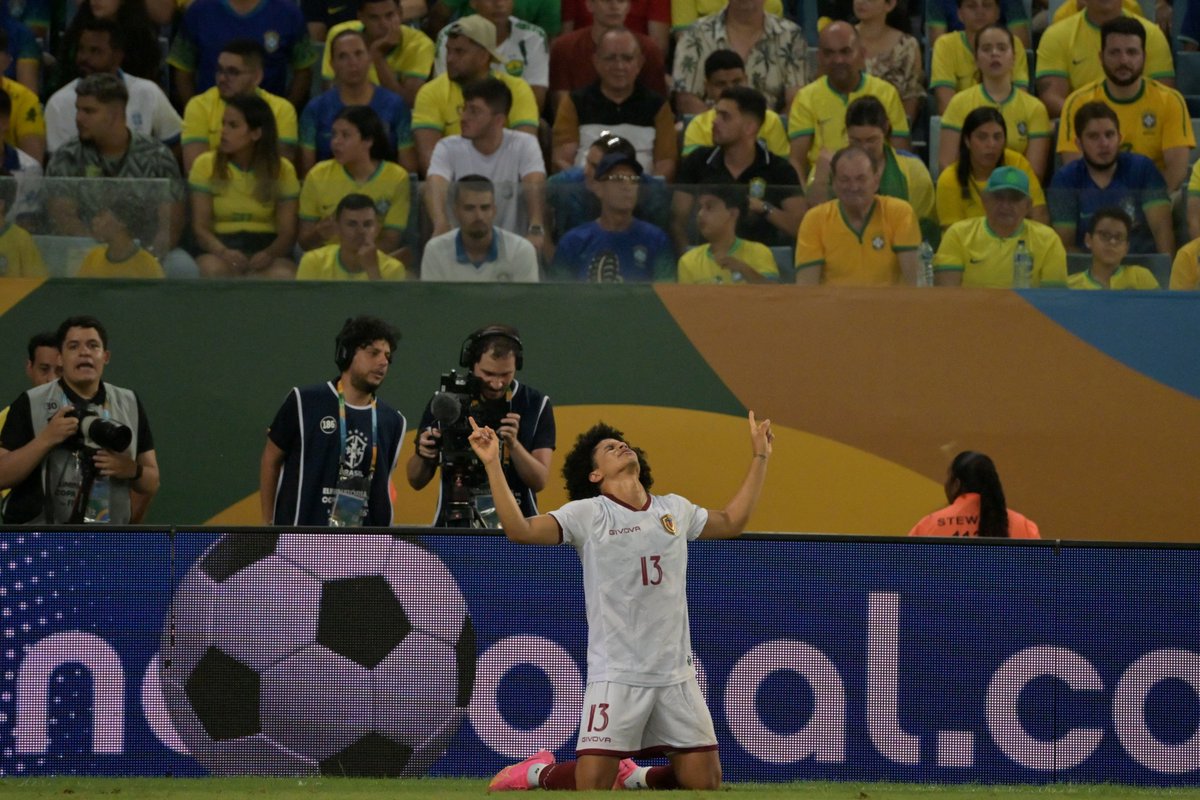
1022 266
925 257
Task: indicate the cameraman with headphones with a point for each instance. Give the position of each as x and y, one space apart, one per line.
74 450
494 354
332 447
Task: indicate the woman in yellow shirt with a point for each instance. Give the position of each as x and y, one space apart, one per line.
1026 118
363 163
982 148
244 197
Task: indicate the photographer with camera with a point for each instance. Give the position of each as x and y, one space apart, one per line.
332 446
521 415
74 449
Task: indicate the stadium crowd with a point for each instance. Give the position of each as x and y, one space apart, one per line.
974 143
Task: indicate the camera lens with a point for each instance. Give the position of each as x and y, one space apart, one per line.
106 433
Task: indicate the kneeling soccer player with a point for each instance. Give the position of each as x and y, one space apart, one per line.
642 697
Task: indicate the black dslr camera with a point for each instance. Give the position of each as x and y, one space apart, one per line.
98 433
458 400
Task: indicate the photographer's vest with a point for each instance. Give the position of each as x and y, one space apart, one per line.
44 403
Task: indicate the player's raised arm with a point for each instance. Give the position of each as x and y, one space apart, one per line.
541 529
731 520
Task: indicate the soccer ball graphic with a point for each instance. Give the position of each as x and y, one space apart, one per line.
332 654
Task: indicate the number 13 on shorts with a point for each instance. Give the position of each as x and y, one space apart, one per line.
597 717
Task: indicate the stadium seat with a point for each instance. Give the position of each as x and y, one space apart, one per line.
1187 72
785 259
935 134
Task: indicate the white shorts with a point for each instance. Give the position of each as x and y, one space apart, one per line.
630 721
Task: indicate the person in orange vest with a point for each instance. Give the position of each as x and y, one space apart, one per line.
977 506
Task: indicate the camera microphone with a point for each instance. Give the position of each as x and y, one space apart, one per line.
446 408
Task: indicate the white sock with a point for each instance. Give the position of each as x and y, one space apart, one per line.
637 779
535 770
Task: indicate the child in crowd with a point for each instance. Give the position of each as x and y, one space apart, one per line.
1109 242
726 258
120 255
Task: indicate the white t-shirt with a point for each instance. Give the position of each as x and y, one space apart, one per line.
516 260
148 112
526 54
28 174
517 156
635 585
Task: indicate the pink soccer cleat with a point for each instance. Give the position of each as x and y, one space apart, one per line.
515 777
624 770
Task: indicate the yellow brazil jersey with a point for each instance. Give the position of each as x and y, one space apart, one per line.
1193 185
986 260
26 118
819 111
412 58
699 133
325 264
953 64
952 206
1185 269
698 265
328 182
203 113
1126 277
1025 117
439 100
1154 120
1071 49
1132 9
235 208
19 254
852 257
97 264
685 12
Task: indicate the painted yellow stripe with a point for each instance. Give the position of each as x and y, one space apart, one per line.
14 290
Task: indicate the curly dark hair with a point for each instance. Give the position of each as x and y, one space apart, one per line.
580 462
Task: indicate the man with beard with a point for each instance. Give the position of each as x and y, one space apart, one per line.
1154 117
101 48
51 455
478 251
523 419
107 148
332 446
470 55
776 201
1104 178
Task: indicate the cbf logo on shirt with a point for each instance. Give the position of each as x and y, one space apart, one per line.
877 243
356 448
271 41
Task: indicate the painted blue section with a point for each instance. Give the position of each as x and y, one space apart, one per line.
945 661
1155 333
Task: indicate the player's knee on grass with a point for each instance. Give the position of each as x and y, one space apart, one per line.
697 770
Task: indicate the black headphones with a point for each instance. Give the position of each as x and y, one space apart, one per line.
342 354
472 351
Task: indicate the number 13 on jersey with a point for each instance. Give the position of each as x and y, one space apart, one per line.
652 573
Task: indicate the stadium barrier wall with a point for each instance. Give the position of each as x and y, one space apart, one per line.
1088 402
456 653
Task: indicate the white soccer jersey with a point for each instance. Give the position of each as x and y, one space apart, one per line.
635 585
525 52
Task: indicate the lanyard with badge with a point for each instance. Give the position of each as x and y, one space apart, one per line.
82 494
353 487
